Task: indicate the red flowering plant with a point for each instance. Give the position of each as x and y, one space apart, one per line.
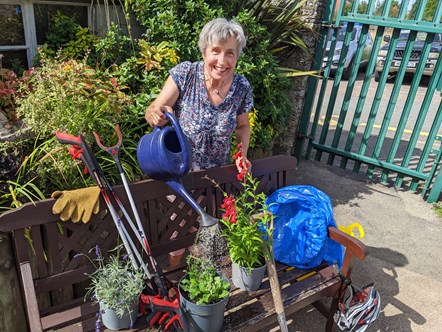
247 221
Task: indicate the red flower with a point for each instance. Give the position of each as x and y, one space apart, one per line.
242 167
240 176
229 206
237 155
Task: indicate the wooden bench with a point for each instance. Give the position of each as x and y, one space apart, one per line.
54 279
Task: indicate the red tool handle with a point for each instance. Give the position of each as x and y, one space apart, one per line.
67 138
160 304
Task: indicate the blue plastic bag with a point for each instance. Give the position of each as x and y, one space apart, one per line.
302 216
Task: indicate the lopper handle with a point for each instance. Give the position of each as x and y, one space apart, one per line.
77 142
67 138
88 157
114 151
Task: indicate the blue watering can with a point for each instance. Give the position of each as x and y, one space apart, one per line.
166 155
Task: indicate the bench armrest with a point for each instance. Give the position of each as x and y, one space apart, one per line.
353 249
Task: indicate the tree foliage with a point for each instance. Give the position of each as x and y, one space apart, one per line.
429 11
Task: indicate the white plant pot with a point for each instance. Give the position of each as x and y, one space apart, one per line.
245 279
203 317
114 322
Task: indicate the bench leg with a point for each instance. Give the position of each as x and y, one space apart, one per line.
331 326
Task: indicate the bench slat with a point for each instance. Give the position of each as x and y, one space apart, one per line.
65 317
296 295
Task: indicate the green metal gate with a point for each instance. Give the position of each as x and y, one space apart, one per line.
386 124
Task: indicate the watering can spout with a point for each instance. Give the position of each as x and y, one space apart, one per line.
206 220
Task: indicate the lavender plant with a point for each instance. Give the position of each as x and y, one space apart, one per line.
114 284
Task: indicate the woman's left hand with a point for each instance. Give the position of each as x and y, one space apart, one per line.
243 165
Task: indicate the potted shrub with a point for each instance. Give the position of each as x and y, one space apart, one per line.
247 231
117 289
204 294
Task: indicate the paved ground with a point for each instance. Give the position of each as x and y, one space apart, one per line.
404 236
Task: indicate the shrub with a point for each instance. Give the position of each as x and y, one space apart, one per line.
127 76
9 85
71 97
67 36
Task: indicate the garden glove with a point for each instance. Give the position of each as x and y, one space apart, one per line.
77 204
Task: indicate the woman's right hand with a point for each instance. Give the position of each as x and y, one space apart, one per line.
155 115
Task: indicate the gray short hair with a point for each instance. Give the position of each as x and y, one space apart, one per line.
218 30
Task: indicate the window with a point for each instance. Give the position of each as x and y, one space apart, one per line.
24 23
11 25
43 14
12 36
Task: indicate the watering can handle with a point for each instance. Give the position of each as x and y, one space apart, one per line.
181 137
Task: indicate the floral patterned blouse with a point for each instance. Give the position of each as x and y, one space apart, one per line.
207 127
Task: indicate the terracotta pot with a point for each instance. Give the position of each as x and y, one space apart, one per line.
176 257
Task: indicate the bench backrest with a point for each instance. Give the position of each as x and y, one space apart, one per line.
47 249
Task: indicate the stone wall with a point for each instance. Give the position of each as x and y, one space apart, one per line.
312 12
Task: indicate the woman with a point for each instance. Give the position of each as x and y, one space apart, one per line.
209 99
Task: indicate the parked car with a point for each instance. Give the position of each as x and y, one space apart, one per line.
436 47
356 34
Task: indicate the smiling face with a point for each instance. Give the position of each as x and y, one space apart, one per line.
220 60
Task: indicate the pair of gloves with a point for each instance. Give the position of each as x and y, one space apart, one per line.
77 204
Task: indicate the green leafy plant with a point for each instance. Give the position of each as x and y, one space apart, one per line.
71 97
15 193
247 222
246 231
67 35
114 48
203 284
19 185
152 56
114 284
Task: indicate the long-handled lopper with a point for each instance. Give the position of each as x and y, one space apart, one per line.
159 303
80 150
114 151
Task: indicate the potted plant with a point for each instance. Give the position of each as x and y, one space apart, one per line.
117 289
247 231
204 294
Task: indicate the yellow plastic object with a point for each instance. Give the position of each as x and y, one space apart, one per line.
350 228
